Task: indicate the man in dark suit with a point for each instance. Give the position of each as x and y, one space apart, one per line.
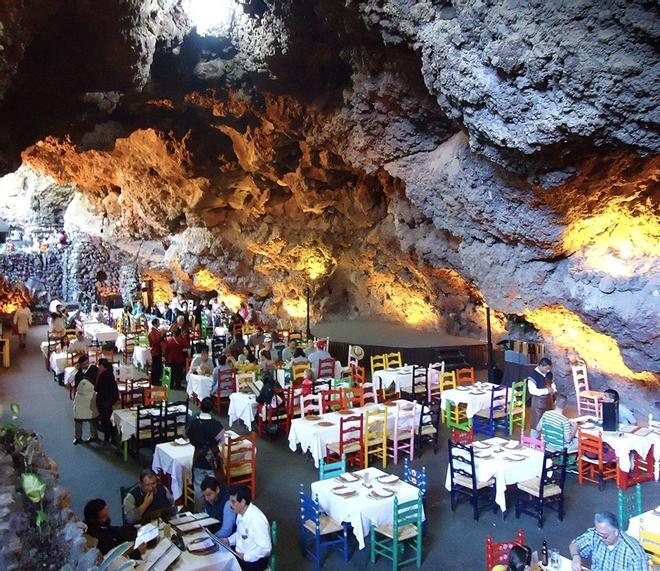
85 371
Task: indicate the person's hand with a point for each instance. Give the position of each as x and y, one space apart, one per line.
576 563
148 498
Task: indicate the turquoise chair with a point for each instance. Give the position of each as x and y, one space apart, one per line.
630 505
391 541
327 471
272 563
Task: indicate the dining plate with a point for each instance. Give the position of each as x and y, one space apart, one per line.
349 478
481 445
515 457
381 494
587 425
462 388
482 454
325 423
643 431
345 412
388 479
312 417
477 393
511 445
343 491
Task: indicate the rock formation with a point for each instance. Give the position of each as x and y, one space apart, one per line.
408 161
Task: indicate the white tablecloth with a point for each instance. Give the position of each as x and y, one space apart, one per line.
125 420
505 472
58 362
120 342
623 444
649 520
173 460
141 356
474 402
242 406
201 385
100 332
360 510
400 377
310 436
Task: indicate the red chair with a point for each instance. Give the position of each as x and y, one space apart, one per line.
241 462
593 464
326 368
359 375
332 400
226 386
276 413
351 442
641 470
498 553
459 436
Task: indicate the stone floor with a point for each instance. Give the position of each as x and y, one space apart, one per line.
454 540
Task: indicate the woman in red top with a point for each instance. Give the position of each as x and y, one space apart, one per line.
175 356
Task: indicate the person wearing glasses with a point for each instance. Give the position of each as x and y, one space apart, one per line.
608 547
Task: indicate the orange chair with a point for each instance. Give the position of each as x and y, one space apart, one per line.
498 553
155 394
592 464
464 376
332 400
354 397
241 461
359 375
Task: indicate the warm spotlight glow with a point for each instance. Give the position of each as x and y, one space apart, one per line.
296 308
622 240
313 260
211 17
413 308
204 280
571 333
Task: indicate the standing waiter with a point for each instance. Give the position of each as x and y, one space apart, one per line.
542 388
156 348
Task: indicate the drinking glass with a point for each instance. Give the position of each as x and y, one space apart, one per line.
554 559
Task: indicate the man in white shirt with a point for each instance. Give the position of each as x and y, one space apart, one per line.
252 537
202 364
541 387
317 355
80 344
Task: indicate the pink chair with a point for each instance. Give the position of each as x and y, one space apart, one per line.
311 404
588 402
403 436
436 371
370 395
531 442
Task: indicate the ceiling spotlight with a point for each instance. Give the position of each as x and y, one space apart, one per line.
211 17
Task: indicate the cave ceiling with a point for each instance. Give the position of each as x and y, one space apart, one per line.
428 156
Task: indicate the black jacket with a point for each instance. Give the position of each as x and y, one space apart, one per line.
107 392
90 375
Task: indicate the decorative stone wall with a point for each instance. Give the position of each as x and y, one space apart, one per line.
129 283
37 271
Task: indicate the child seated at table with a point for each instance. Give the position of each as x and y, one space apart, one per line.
307 382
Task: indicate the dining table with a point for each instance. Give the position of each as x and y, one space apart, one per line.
476 397
200 385
504 460
361 505
99 332
314 433
400 377
59 361
648 521
243 407
141 356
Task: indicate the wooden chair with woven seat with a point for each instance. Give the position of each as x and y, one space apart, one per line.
546 491
419 388
464 376
241 461
389 394
447 380
498 553
464 483
378 363
517 405
311 404
327 471
650 542
593 466
428 428
275 414
402 438
351 441
319 532
393 360
588 401
391 540
459 436
155 394
245 383
353 397
496 417
369 394
531 442
454 415
359 375
435 373
188 496
332 400
375 435
226 386
321 385
325 368
629 505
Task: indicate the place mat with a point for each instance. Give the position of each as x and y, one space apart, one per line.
325 423
202 546
312 417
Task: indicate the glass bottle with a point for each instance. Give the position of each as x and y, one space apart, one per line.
544 554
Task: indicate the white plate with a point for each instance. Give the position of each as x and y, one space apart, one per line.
388 479
511 444
382 493
347 477
343 491
482 454
481 445
588 425
477 392
515 457
462 388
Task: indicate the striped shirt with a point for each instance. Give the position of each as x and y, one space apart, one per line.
625 555
556 420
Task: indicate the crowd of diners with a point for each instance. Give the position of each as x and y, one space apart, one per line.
171 330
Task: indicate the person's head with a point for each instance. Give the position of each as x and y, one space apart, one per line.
268 378
246 350
83 361
607 527
80 335
265 354
222 360
97 512
310 343
204 353
520 557
545 365
239 499
206 405
560 401
298 352
104 364
210 489
320 344
610 395
155 323
307 374
293 344
260 331
148 481
180 320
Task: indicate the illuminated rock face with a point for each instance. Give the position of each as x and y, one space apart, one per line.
408 161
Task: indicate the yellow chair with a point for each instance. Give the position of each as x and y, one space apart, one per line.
447 380
651 544
378 363
188 491
298 371
375 435
394 360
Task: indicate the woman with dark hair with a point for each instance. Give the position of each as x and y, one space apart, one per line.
265 360
107 394
97 519
520 559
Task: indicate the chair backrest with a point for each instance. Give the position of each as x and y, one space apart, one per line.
226 382
155 394
378 363
295 335
518 395
147 425
245 382
415 476
321 385
359 375
351 431
272 563
591 445
375 425
394 359
629 505
388 394
498 553
181 409
407 513
310 510
465 376
332 470
499 400
420 383
461 462
298 371
369 394
436 370
332 400
650 541
447 380
580 379
531 442
310 404
325 368
354 397
404 419
459 436
241 458
553 471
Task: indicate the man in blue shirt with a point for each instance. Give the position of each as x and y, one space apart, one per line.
218 506
608 547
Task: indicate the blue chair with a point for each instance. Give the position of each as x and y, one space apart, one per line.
327 471
319 532
417 478
464 483
488 421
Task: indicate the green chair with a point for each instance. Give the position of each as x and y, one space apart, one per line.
553 436
142 340
328 471
207 330
517 405
630 505
343 383
456 417
391 541
166 377
273 538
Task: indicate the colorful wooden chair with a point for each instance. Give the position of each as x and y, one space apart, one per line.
464 483
593 466
329 471
629 505
498 553
375 435
402 438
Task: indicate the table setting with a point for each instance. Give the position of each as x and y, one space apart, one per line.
200 385
363 497
99 332
476 397
400 377
243 407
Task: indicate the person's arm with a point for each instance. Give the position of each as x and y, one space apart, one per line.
260 546
132 513
581 547
228 521
533 389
